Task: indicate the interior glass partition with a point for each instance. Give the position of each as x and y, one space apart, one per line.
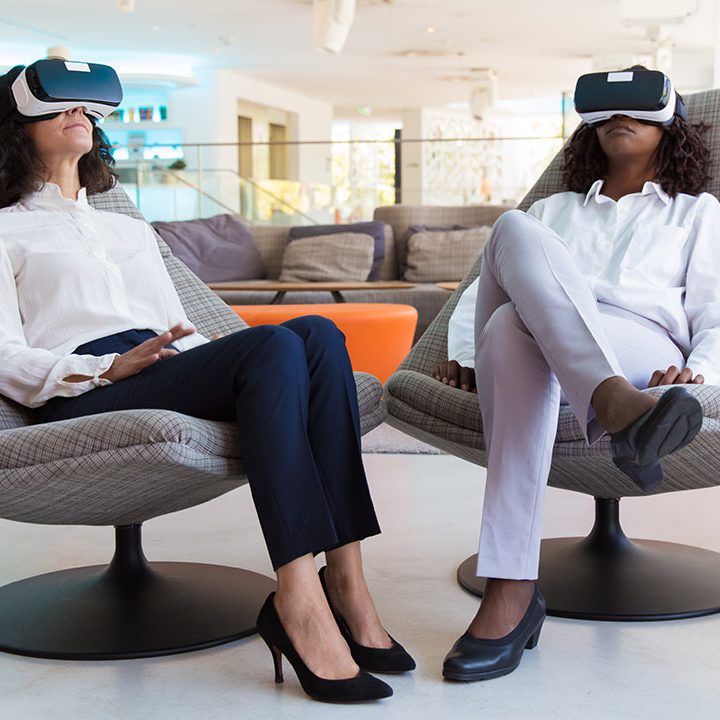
331 182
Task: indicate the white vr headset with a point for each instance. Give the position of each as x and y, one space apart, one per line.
48 87
645 95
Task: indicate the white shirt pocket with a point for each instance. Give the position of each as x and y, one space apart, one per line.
656 253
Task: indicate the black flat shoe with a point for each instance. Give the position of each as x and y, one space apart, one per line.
472 659
668 426
394 659
361 688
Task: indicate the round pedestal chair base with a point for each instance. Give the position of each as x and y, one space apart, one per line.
90 614
642 580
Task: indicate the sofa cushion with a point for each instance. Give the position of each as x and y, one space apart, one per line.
373 228
344 257
435 256
216 249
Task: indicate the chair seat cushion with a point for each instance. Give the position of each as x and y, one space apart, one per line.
450 419
461 408
128 466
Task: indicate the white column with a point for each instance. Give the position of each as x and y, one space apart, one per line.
412 157
716 46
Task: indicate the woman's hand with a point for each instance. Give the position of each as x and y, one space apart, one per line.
147 353
673 376
450 372
135 360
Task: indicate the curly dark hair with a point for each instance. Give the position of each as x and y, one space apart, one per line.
21 170
683 159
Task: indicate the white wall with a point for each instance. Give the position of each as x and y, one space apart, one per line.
208 113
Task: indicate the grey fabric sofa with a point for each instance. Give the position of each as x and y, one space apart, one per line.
427 298
604 576
122 469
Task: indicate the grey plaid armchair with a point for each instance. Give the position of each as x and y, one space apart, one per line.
604 576
122 469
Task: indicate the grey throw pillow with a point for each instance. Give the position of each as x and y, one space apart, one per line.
345 257
444 255
418 228
216 249
374 228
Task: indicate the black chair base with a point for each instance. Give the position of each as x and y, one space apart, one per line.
607 576
130 608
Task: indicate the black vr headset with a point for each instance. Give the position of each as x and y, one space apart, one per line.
645 95
47 88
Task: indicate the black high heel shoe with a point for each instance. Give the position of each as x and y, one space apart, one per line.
473 659
361 688
669 425
394 659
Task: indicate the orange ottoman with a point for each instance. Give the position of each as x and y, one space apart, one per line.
378 335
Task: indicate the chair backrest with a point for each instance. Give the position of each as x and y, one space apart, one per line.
702 107
210 315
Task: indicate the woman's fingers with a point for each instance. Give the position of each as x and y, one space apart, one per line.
440 371
453 373
670 376
467 378
685 376
180 331
156 344
674 376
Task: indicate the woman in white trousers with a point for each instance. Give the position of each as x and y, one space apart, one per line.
590 297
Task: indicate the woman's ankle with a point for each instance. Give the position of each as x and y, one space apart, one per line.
617 403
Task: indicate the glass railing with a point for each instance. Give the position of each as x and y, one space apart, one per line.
329 182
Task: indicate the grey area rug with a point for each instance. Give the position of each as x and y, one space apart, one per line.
386 439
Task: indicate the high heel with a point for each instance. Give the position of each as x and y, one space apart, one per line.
277 661
363 687
394 659
534 639
476 659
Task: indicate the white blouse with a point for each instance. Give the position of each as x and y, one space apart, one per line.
656 256
70 274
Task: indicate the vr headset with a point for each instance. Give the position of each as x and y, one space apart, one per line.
47 88
645 95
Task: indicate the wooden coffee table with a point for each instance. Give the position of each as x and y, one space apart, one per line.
448 285
334 288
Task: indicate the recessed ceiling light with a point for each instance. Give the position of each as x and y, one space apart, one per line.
429 29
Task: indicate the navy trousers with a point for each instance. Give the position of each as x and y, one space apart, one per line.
291 390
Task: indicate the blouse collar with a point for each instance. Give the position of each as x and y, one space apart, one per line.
649 188
49 197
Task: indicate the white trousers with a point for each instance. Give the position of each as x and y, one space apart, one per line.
541 338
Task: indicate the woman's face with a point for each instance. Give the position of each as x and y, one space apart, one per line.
623 138
67 135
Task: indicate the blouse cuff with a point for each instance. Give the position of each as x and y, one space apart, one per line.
100 364
104 365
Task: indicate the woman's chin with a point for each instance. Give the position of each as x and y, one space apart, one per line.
78 148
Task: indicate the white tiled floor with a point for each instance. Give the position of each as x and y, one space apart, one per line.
428 507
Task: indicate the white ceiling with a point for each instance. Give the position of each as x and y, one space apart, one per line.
537 47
